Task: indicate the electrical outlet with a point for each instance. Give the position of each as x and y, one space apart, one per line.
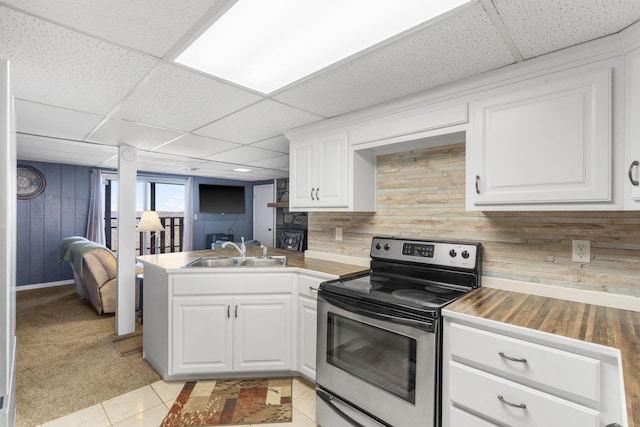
581 251
338 234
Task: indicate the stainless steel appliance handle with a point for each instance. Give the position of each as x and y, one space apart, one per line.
633 181
375 315
327 399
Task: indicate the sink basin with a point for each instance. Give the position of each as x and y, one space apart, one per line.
263 262
212 262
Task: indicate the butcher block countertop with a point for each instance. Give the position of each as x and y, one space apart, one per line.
175 260
591 323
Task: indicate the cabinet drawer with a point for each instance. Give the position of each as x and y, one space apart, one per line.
546 368
308 286
479 392
460 418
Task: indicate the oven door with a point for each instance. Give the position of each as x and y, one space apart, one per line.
382 365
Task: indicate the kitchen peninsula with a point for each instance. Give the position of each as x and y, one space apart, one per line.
207 322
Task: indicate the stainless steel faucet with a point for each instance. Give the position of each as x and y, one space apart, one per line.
264 251
242 249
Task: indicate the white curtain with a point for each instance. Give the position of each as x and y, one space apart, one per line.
95 223
187 235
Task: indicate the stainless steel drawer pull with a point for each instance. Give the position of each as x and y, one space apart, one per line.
236 311
229 311
312 198
312 289
633 181
477 184
317 196
513 405
512 359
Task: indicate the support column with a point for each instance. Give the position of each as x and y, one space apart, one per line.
126 291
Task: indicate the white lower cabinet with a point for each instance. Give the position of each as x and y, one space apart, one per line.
308 322
240 334
496 374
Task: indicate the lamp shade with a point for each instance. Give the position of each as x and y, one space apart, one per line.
149 221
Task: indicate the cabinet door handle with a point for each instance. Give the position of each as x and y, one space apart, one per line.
228 311
317 195
236 313
513 405
512 359
635 163
613 425
312 289
477 184
312 198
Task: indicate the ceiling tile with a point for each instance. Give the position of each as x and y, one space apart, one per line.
460 46
244 155
191 145
543 26
184 100
144 137
279 143
62 151
268 119
39 119
142 25
56 66
281 163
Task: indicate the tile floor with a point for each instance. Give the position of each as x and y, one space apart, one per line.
147 407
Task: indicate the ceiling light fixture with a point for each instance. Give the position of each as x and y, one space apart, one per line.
242 170
266 45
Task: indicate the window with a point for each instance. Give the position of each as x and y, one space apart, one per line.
165 196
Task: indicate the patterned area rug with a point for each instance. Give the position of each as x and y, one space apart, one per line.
231 402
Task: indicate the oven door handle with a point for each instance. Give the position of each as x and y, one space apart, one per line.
424 325
328 400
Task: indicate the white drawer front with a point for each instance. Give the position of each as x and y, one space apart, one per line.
478 392
547 368
460 418
308 286
221 283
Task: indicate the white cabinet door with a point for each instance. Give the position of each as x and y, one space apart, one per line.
307 336
632 131
303 173
262 333
320 172
543 141
202 334
332 185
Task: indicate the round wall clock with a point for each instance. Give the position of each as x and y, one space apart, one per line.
31 182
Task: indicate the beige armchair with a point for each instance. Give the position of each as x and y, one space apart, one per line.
94 269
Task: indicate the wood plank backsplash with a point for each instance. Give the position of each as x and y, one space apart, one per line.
421 194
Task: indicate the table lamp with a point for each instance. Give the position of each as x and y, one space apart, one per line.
149 221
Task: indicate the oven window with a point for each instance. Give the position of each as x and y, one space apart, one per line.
377 356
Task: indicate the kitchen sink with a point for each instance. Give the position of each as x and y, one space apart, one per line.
213 262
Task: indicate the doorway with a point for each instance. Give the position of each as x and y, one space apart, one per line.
264 217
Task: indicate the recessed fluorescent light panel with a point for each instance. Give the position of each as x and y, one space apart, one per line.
266 45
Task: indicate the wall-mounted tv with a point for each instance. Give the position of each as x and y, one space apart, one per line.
221 199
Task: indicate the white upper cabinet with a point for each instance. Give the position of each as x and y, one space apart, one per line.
325 174
632 130
542 142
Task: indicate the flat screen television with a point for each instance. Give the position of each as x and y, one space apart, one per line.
221 199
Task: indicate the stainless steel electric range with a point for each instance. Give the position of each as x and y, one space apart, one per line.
380 336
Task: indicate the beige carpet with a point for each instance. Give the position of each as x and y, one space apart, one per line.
65 357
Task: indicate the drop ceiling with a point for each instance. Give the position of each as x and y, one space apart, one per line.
90 75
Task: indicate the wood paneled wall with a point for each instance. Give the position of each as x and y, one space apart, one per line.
421 194
59 212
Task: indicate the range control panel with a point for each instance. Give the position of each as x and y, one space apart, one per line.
447 254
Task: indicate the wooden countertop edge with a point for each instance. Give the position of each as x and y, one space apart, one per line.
611 327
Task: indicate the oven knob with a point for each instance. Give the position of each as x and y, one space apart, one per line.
465 254
378 246
452 253
386 247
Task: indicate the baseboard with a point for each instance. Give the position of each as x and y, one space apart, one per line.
45 285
